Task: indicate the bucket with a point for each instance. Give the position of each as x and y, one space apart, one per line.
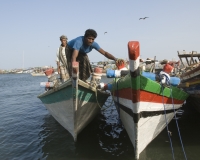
168 68
98 70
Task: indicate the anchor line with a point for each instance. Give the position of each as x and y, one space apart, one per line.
167 123
104 103
177 124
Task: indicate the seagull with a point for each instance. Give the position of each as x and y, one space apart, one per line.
143 18
105 32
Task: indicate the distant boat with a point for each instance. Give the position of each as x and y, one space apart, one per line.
38 74
190 78
20 72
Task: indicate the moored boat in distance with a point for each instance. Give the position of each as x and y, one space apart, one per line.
145 106
38 74
190 77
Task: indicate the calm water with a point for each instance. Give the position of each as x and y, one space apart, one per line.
28 131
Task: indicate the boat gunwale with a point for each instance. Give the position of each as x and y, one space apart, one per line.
68 83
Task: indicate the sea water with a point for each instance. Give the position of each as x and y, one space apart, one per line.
28 131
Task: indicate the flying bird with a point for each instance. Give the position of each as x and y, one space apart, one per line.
143 18
105 32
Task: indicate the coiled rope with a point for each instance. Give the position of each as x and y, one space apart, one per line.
98 101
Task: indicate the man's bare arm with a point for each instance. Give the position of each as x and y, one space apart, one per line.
107 55
74 55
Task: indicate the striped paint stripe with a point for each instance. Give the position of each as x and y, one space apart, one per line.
148 86
137 116
84 94
144 96
145 106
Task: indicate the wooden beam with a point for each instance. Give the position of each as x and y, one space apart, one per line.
180 58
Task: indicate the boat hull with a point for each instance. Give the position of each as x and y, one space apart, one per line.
194 101
73 118
148 127
145 110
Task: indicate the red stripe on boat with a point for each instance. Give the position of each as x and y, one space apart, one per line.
144 96
133 50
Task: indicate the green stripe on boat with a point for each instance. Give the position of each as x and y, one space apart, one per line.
146 84
66 94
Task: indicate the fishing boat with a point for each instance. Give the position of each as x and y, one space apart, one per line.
190 77
73 103
145 106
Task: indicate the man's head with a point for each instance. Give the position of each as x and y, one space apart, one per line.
63 40
89 36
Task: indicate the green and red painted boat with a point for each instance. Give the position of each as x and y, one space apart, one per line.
74 103
144 105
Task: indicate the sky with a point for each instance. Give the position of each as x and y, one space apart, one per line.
30 30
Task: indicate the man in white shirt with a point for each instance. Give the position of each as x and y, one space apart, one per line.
62 62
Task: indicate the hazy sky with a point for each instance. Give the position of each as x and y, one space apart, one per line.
33 28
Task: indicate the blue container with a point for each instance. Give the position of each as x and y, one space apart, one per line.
109 86
110 73
174 81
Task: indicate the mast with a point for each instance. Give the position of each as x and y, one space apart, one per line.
23 61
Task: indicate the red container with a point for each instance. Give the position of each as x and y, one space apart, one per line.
120 66
168 68
49 71
98 70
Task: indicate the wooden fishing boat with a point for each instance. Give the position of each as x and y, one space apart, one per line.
190 77
145 106
74 104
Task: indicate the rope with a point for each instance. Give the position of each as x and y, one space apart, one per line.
168 83
177 124
168 132
98 101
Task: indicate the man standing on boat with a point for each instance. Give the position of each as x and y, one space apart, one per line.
80 47
62 59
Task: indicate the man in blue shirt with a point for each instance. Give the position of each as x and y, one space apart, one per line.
82 45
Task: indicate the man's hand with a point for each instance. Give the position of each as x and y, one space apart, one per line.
120 63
